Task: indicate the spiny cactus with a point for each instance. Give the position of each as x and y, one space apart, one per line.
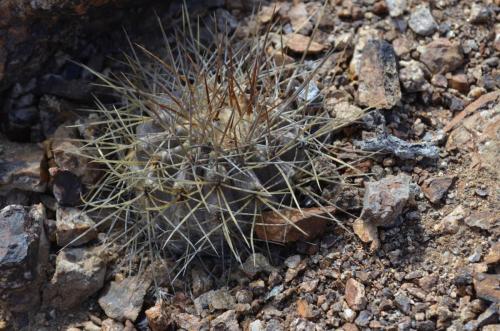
206 139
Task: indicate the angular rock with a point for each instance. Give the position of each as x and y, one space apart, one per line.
485 220
227 321
451 223
201 281
364 35
311 222
123 300
459 82
67 188
74 227
412 77
22 167
304 309
493 256
480 13
158 320
256 263
79 274
367 232
214 300
436 187
396 7
487 286
23 256
385 199
422 22
302 44
190 322
378 76
442 56
355 294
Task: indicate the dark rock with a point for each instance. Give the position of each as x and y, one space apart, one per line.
79 274
436 187
67 188
23 255
378 76
480 13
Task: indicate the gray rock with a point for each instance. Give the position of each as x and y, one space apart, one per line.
214 300
403 303
123 300
256 263
22 166
396 7
363 318
74 227
385 199
23 256
67 188
412 77
79 274
378 76
422 22
480 13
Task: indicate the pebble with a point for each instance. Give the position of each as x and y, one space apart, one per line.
422 22
74 227
363 318
412 76
403 303
435 188
355 294
396 7
480 13
442 56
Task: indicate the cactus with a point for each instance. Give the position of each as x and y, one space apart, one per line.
204 140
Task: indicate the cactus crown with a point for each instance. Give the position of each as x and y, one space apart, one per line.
206 139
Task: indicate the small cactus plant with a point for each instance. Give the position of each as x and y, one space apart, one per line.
206 139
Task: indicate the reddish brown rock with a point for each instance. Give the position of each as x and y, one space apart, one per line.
292 225
442 56
304 309
436 187
303 44
158 319
487 286
459 82
355 294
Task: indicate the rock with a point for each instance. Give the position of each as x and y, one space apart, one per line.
485 220
493 256
302 44
79 274
442 56
364 35
122 300
412 77
74 227
293 261
435 188
349 327
378 76
299 18
367 232
304 309
256 325
385 199
490 315
190 322
311 222
355 294
22 167
344 112
386 143
402 46
255 264
480 13
201 282
110 325
158 320
23 256
226 321
422 22
451 223
403 303
487 286
459 82
67 188
363 318
214 300
396 7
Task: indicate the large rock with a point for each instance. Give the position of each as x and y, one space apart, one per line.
22 167
74 227
79 274
23 255
378 76
442 56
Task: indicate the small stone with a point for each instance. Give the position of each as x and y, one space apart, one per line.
302 44
201 282
451 223
350 327
22 167
493 256
255 264
480 13
435 188
378 76
412 77
486 220
74 227
256 325
355 294
363 318
293 261
403 303
396 7
226 321
442 56
214 300
157 318
426 325
23 255
460 83
244 296
304 309
67 188
348 314
402 46
123 300
189 322
111 325
439 81
422 22
487 286
79 274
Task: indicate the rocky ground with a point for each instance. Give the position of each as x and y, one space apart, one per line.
422 250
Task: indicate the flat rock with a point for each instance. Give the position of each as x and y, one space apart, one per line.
355 294
485 220
214 300
450 224
385 199
435 188
23 256
422 22
255 264
493 256
378 76
74 227
123 300
442 56
303 44
487 286
22 167
227 321
284 227
79 274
